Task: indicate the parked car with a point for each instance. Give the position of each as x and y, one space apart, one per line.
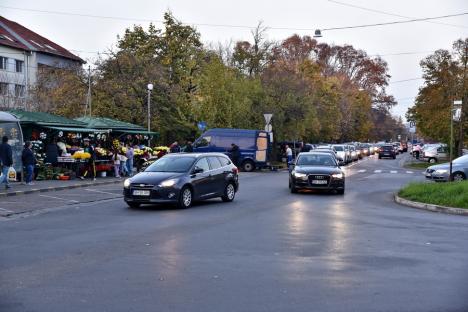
435 154
387 150
183 178
354 155
316 170
340 154
366 149
329 151
440 173
254 145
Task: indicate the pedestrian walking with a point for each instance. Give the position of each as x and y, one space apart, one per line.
175 148
123 166
129 154
289 154
6 161
188 147
235 154
116 162
29 161
91 166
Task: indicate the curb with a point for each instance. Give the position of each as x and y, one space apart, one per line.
58 188
431 207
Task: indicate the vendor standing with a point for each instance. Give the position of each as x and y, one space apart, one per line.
29 161
130 154
52 153
91 168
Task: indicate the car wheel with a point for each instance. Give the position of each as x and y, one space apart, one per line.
185 198
394 157
248 166
133 205
229 193
340 192
432 160
458 176
380 157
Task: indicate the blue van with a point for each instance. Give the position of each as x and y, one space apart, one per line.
254 145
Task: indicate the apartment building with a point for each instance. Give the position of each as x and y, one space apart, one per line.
23 53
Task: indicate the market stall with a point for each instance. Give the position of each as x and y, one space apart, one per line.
49 132
10 127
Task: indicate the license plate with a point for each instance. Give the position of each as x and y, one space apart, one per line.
319 182
141 193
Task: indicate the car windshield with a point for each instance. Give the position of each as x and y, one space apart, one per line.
316 160
461 159
338 148
171 164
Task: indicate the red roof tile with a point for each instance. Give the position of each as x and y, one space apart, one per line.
20 37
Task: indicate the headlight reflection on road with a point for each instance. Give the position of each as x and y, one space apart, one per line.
338 244
297 219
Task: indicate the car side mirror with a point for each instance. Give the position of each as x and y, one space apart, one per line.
197 170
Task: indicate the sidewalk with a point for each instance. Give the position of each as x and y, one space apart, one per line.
54 185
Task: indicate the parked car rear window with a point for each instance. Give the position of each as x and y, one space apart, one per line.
338 148
214 162
387 147
171 164
224 161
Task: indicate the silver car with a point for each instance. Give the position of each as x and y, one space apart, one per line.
441 172
340 154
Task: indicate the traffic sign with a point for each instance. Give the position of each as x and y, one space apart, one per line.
268 128
267 118
201 125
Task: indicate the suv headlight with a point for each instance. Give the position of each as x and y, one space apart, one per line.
168 183
127 183
299 175
337 176
441 171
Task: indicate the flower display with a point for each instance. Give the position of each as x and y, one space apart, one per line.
81 155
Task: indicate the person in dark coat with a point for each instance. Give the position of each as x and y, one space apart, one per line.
235 154
29 161
175 148
52 153
91 168
6 161
188 147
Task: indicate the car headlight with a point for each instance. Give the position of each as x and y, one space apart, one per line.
168 183
337 176
299 175
441 171
127 183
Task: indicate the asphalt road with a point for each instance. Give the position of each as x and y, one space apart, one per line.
269 250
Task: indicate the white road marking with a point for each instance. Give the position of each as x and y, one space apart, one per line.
60 198
6 210
102 192
362 170
409 172
377 171
393 171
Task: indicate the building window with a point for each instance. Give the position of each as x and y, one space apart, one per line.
3 88
19 66
3 62
19 90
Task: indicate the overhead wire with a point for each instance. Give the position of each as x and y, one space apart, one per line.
234 26
390 14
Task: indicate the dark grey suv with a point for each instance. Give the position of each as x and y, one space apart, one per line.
183 178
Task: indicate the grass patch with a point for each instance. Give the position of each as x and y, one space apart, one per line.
418 165
451 194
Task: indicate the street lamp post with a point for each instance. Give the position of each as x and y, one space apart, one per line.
453 114
150 88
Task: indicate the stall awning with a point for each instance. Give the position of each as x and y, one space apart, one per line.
142 132
81 130
45 119
108 123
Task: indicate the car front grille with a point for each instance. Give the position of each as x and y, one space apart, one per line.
319 177
141 186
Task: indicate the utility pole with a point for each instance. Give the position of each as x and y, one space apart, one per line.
150 88
88 104
453 114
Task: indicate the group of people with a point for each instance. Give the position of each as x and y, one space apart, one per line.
123 161
6 162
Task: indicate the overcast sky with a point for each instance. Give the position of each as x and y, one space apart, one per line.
419 39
